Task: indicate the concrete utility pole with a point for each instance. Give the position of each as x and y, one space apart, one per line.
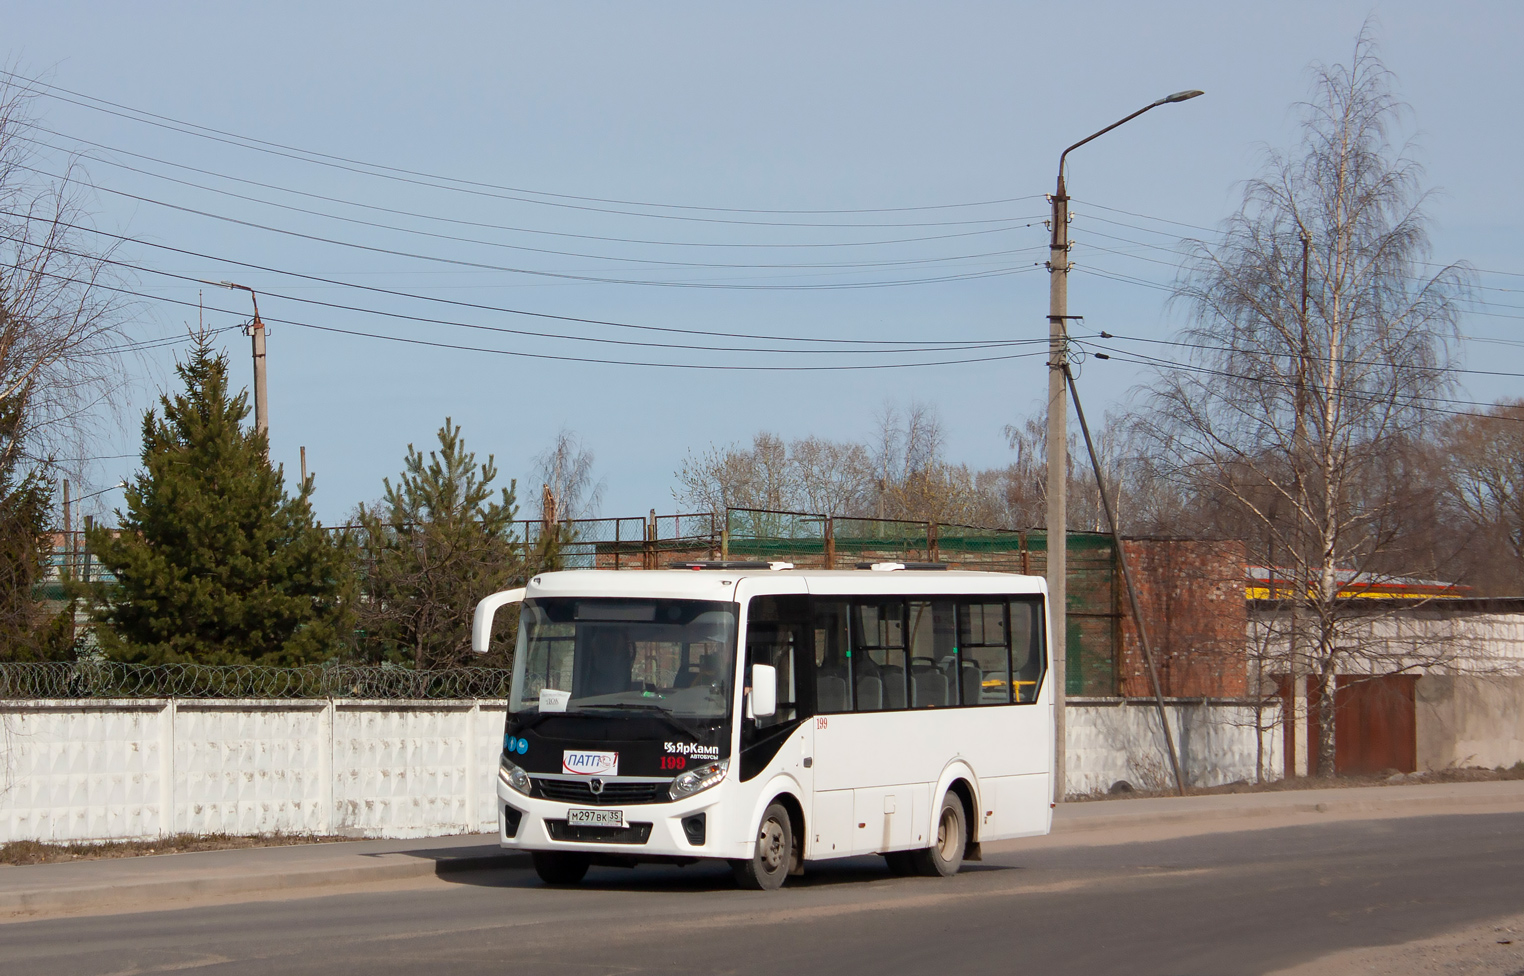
257 332
1058 441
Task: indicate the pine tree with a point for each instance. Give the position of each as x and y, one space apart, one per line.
215 563
440 540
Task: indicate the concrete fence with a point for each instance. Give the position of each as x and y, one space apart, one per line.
142 768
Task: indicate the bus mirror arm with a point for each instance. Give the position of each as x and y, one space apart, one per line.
763 700
486 610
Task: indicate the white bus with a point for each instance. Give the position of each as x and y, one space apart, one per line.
771 716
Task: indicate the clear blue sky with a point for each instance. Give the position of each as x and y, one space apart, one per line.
780 106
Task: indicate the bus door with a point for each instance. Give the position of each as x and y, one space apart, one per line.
842 741
777 634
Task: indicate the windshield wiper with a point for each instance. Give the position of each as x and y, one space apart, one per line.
662 710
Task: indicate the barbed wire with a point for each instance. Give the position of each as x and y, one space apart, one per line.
111 679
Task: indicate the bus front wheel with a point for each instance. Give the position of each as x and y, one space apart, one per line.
945 856
768 865
560 867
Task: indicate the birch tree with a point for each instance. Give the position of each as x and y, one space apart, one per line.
1293 404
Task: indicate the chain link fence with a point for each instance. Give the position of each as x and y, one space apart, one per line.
110 679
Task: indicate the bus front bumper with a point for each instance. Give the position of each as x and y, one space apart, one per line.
688 828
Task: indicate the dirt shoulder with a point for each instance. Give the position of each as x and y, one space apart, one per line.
1494 948
36 852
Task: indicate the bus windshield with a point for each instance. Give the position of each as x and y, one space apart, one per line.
601 654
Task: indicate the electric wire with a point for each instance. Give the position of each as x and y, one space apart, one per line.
595 279
727 367
473 187
540 250
477 306
488 225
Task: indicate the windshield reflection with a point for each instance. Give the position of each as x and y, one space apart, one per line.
582 654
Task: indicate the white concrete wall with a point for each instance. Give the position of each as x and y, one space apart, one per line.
102 770
119 769
1469 721
1112 740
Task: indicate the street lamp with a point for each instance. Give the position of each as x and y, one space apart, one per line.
1058 435
257 331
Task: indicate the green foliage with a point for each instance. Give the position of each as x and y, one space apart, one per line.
440 539
215 562
27 631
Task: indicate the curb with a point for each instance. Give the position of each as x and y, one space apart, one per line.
155 895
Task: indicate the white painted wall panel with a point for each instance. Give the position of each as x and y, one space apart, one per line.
101 770
1113 741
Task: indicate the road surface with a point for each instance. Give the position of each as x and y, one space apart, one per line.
1248 902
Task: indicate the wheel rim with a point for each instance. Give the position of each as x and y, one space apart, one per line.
947 835
770 845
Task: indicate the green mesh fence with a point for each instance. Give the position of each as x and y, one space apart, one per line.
817 542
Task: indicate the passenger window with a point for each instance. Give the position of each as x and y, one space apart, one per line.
833 657
1028 658
933 654
878 653
984 668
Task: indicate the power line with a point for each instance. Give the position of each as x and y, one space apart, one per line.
927 344
1156 362
540 250
475 187
476 223
595 279
1312 357
561 358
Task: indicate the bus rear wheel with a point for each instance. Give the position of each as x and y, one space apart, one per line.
945 856
560 868
767 868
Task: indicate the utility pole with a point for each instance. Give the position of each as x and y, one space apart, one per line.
1058 444
256 330
1058 474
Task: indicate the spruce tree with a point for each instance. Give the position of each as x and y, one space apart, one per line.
215 563
28 631
441 539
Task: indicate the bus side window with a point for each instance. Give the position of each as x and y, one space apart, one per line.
1028 654
984 667
933 654
878 654
833 657
775 634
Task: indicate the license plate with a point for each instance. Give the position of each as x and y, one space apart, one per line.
595 818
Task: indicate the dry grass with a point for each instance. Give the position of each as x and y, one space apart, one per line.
36 852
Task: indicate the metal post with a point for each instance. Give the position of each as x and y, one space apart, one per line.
1132 592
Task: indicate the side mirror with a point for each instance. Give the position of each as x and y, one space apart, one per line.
764 691
481 623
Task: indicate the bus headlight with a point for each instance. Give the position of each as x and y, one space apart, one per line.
700 779
513 776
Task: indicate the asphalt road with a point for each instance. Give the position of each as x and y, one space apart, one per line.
1246 902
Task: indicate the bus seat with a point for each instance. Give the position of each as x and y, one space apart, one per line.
973 683
894 685
830 692
870 694
930 687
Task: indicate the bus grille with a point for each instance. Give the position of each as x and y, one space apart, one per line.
614 791
635 833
